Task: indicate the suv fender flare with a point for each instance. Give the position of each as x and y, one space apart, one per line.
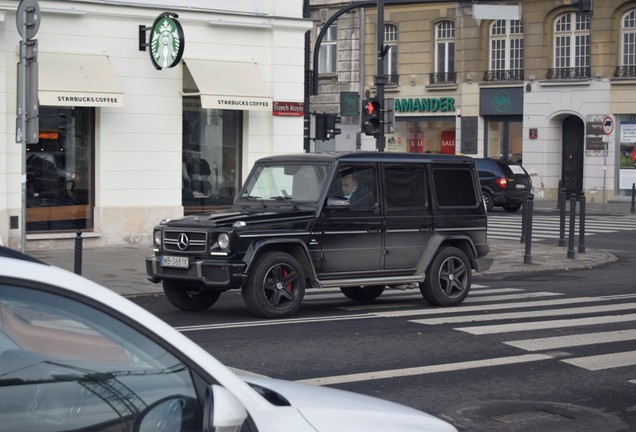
294 247
459 241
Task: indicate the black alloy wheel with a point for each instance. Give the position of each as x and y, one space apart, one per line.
448 278
275 286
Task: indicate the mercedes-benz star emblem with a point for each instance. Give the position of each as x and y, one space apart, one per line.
182 241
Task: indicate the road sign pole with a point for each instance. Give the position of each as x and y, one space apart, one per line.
21 134
27 23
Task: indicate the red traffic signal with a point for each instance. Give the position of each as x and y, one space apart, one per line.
371 117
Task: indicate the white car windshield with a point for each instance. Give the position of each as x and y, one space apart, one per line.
290 182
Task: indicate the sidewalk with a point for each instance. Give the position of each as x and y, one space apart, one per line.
123 269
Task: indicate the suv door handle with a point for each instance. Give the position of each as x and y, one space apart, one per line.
374 231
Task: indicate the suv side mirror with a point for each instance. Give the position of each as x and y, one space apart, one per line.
222 410
337 203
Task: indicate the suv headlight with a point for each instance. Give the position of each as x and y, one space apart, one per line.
223 241
156 238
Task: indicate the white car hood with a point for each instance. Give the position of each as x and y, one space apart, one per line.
329 409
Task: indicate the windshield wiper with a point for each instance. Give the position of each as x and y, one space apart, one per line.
286 199
253 198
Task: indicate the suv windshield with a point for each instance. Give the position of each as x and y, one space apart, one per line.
298 183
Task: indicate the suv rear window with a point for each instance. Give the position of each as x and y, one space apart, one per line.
405 186
454 187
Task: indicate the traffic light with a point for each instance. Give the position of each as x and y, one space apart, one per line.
321 127
326 126
332 130
371 117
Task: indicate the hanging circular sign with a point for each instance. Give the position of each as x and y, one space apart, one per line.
608 125
166 41
28 16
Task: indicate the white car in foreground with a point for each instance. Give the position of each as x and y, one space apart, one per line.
75 356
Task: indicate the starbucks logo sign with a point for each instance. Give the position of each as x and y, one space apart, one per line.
166 41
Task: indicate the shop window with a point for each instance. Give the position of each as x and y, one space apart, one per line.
59 169
504 139
211 155
424 135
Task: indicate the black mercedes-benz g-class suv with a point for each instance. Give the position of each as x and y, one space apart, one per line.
361 222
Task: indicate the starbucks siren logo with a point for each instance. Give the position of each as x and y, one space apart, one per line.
167 41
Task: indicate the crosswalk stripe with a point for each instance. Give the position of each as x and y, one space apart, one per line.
605 361
555 342
549 227
527 314
423 370
543 325
500 306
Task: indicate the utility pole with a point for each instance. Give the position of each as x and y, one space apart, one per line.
380 77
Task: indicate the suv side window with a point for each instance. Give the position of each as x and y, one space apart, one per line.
358 184
454 187
405 187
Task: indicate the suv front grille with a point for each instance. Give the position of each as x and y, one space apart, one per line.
184 241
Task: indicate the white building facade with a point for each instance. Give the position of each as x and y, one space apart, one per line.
123 144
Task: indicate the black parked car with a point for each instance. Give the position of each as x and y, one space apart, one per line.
359 222
503 183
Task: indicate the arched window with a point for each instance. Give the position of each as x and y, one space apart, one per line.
506 51
571 47
391 58
444 53
627 66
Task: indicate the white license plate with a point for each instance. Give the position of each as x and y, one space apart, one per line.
173 261
521 186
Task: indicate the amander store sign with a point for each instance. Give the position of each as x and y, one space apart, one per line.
425 105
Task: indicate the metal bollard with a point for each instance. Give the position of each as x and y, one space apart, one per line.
633 197
571 227
527 256
562 219
78 253
582 223
524 217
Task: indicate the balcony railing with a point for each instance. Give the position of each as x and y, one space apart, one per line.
504 75
626 72
443 78
581 72
393 79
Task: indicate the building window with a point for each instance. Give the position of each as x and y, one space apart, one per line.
444 53
211 156
328 56
391 58
571 47
506 51
627 66
59 169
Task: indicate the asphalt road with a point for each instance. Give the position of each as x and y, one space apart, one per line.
531 352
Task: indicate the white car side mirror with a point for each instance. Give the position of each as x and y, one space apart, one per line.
223 412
